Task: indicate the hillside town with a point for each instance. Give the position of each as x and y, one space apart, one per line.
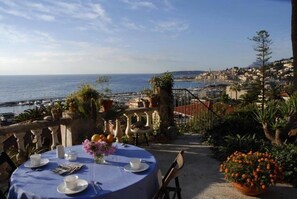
278 73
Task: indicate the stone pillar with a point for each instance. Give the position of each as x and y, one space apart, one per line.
77 131
21 146
128 131
54 132
148 119
37 137
138 117
118 133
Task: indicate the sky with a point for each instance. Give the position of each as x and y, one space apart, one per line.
137 36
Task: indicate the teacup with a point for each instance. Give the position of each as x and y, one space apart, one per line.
135 163
35 159
71 181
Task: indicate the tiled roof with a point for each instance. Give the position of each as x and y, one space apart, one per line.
191 109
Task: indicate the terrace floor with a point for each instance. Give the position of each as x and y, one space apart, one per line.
200 177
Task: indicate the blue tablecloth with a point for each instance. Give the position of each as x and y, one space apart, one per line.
116 182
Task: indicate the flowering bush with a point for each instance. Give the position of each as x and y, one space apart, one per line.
97 148
254 170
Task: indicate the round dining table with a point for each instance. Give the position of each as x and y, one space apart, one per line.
110 180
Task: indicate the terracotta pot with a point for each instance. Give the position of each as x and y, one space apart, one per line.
107 104
153 102
246 190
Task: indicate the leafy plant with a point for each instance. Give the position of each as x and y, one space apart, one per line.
85 100
278 118
255 170
164 81
241 122
242 143
37 113
103 82
286 156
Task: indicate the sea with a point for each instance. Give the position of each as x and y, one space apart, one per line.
20 88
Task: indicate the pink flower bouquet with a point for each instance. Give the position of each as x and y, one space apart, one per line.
97 148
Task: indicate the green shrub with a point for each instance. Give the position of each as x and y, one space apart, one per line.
240 122
184 128
37 113
286 156
242 143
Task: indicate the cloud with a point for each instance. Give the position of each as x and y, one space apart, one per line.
171 26
11 34
52 10
168 5
139 4
46 17
132 26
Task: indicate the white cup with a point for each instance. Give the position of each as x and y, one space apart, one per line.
71 181
135 163
35 159
60 151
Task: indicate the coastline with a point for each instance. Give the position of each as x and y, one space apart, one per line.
17 107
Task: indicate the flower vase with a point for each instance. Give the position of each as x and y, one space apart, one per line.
246 190
99 159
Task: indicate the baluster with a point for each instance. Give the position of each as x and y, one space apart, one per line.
54 132
21 146
128 131
138 118
148 119
37 137
118 133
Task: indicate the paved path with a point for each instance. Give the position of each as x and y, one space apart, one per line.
200 178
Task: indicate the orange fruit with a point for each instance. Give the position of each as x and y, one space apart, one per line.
95 138
102 136
110 138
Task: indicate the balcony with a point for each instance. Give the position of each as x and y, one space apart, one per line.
67 130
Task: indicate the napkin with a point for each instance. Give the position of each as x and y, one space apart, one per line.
64 169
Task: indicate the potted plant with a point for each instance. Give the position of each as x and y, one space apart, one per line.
251 173
56 111
162 85
152 98
105 92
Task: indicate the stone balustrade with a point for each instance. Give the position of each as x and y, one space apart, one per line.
64 131
19 131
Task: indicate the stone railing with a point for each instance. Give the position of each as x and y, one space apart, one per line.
65 130
20 130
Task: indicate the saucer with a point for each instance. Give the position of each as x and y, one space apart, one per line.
143 167
43 161
81 185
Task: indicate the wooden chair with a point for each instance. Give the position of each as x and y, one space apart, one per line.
172 173
7 168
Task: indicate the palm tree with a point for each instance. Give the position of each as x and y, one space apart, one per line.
274 91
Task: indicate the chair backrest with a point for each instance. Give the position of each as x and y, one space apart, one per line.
172 173
6 168
174 169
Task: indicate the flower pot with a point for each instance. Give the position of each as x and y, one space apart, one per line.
153 102
247 190
107 104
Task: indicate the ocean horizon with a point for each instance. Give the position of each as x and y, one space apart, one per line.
17 88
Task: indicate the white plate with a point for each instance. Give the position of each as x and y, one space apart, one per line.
43 161
143 167
81 185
